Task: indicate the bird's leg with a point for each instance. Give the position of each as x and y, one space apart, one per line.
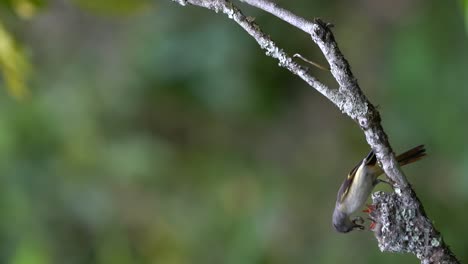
377 181
369 209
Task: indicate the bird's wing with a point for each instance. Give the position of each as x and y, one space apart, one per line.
369 160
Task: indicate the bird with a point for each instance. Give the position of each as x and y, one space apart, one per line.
358 185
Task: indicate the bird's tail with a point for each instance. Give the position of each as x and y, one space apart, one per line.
411 155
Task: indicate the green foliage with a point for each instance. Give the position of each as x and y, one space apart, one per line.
25 9
113 7
13 65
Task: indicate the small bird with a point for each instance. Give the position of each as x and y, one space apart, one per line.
357 187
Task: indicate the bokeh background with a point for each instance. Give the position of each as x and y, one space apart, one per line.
147 132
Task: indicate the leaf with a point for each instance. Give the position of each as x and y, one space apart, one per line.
14 66
26 9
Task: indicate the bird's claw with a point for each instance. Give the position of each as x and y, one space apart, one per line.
369 209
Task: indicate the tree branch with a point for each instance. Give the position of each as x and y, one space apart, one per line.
266 44
355 103
402 224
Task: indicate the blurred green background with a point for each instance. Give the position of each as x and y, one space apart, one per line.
146 132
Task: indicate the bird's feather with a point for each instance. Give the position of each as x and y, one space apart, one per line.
370 159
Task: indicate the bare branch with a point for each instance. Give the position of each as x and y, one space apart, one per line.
400 216
355 104
265 42
284 14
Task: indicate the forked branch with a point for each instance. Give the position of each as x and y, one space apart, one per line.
402 224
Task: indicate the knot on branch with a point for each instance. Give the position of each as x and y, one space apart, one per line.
322 30
370 117
400 226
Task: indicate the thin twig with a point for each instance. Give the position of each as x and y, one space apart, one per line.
282 13
297 55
